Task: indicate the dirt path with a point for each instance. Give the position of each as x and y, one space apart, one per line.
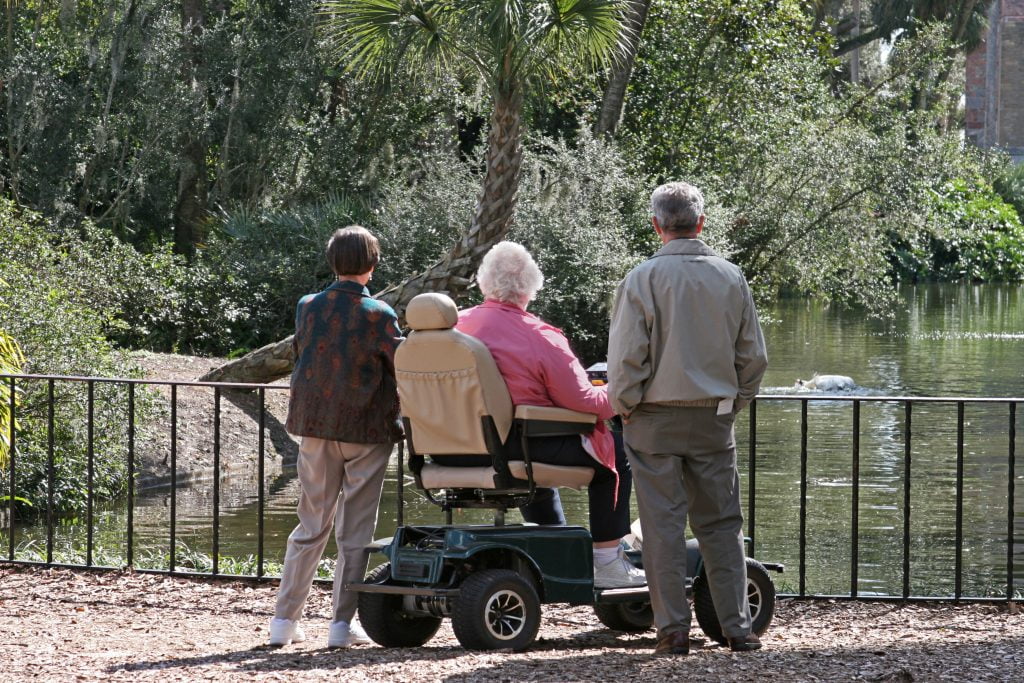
86 626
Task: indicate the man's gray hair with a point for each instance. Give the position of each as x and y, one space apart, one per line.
509 274
677 206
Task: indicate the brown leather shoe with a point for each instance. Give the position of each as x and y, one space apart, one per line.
677 643
745 643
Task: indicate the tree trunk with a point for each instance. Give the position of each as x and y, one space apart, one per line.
615 93
451 275
190 206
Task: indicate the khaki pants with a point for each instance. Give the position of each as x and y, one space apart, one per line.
334 476
684 463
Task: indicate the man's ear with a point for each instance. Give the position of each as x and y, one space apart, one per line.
700 224
657 228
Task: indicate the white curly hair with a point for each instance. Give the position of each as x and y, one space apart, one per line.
509 274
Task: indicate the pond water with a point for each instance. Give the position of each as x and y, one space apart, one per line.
944 340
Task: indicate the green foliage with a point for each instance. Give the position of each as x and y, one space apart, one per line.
59 306
582 212
1010 186
187 558
717 80
100 105
975 236
11 361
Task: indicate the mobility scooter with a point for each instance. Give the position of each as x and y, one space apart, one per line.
491 580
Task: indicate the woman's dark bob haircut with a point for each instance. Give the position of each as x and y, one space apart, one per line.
352 251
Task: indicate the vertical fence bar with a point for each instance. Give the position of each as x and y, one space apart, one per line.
908 412
49 470
174 473
92 466
855 504
130 559
11 457
1011 467
958 572
803 498
260 473
400 521
752 477
216 481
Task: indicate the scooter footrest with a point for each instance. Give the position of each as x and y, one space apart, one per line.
614 595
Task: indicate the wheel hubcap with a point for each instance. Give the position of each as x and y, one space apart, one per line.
754 598
505 615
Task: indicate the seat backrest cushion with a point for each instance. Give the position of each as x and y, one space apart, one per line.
448 381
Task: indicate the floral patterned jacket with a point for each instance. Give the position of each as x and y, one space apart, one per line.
343 384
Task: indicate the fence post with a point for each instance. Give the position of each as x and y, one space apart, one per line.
260 474
130 558
11 456
959 570
752 478
803 498
908 411
1011 472
91 466
855 506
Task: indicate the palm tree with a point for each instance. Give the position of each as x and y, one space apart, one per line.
615 94
510 44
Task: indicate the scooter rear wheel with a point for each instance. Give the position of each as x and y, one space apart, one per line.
760 595
386 622
631 617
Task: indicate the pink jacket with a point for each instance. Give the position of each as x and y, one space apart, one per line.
539 367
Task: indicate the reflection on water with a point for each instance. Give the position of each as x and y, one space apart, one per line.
945 341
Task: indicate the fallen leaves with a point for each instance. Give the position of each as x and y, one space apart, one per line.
126 626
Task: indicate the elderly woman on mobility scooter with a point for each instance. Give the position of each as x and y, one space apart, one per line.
540 369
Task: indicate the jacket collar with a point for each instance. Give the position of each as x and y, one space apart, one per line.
349 287
685 246
506 307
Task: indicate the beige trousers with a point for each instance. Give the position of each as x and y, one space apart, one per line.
340 487
684 464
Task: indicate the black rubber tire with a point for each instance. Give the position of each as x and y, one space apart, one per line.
760 594
496 609
631 617
386 622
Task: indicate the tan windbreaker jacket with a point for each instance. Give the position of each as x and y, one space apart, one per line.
684 332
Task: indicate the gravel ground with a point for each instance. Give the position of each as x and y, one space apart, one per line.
91 626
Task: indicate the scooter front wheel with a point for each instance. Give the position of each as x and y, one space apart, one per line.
496 609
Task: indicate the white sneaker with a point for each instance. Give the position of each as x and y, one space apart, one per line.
343 634
619 573
285 632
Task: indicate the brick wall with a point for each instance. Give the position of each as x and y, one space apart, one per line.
994 90
1011 82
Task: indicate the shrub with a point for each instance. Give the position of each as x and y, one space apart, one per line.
1010 186
974 235
59 312
11 361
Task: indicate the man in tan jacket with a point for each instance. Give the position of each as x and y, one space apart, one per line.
685 354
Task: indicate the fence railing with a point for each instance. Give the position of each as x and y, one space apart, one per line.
908 403
13 383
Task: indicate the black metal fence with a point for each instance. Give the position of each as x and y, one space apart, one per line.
14 382
908 403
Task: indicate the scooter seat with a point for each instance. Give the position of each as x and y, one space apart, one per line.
436 476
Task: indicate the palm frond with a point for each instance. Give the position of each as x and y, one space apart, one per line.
373 37
587 33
